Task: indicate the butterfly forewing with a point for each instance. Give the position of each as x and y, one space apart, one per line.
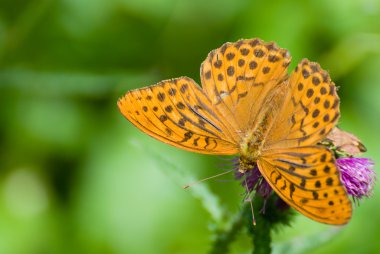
311 109
238 76
307 179
177 112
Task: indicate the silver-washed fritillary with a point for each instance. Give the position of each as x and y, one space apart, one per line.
248 104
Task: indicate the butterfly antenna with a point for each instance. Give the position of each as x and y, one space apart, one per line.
208 178
250 202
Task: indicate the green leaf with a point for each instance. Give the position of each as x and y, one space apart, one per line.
209 200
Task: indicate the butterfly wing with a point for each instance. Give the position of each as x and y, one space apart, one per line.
179 113
238 76
235 77
308 180
310 111
300 172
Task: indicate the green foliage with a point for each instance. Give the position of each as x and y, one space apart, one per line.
71 180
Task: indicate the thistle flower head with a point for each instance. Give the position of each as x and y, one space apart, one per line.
254 181
357 175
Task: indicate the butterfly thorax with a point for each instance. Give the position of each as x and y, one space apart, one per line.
252 144
251 147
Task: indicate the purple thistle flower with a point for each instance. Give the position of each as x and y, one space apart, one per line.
255 181
357 175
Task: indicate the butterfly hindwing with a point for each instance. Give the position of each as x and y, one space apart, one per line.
308 180
177 112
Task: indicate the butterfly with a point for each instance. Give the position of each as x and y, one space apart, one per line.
249 105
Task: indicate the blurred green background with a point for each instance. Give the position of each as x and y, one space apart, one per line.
76 177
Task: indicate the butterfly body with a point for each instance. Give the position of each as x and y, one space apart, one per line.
249 105
253 142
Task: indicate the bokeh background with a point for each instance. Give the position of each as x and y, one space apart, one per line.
76 177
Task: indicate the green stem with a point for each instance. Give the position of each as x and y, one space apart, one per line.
262 240
261 232
261 235
275 215
223 238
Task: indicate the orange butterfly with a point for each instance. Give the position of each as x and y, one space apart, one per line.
248 104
